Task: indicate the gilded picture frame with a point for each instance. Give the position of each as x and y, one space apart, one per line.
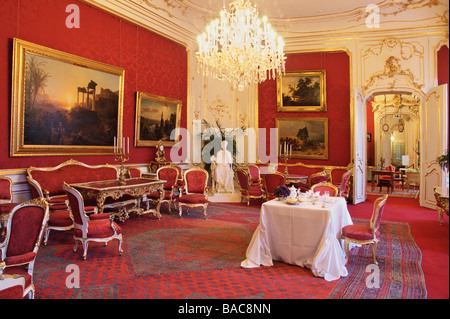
156 118
307 135
63 104
302 91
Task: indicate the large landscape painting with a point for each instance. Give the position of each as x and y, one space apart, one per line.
307 135
302 91
67 104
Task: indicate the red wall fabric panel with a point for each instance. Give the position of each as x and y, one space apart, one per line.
337 66
152 63
443 70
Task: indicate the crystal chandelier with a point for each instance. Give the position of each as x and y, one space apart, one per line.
241 47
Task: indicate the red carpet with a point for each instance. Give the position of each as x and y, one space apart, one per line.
139 272
430 236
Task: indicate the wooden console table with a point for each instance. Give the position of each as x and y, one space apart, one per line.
137 187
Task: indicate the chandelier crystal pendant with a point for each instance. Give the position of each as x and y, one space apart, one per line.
240 47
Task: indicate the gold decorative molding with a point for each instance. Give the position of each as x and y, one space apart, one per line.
392 68
433 94
243 120
196 115
407 50
397 101
393 8
170 5
218 108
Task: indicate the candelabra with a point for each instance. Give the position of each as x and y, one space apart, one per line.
286 153
286 157
121 155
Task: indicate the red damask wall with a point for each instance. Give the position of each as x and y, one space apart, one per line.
337 66
152 63
443 70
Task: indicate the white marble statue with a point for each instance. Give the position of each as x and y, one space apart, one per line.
222 169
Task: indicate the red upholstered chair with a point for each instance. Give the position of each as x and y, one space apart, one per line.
325 186
365 234
25 226
343 186
170 175
317 178
58 202
195 192
96 227
441 204
249 190
336 174
254 174
5 190
11 286
271 182
6 204
180 181
387 180
60 220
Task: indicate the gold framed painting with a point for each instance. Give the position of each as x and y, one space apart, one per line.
157 117
306 136
63 104
302 91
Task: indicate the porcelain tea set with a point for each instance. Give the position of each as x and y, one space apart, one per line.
296 197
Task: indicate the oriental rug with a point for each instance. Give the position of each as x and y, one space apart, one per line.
193 258
397 192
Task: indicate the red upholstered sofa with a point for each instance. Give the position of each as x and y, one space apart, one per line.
47 182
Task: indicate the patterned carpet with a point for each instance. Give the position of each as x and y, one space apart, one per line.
193 258
397 192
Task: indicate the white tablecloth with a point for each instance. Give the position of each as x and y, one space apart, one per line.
306 235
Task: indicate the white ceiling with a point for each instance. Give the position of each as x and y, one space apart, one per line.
296 21
289 9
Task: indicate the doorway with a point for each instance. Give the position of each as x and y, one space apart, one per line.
393 130
393 138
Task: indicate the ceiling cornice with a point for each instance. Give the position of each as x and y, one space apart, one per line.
182 20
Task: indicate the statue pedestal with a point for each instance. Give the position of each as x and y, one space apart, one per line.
234 197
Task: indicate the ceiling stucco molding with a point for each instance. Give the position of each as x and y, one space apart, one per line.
183 20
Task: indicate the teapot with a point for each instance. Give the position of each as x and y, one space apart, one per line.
293 192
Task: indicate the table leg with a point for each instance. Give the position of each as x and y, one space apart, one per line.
100 202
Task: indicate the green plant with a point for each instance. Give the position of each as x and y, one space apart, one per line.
443 161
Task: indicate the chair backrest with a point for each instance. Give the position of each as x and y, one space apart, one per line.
196 180
254 172
272 181
377 214
390 168
243 178
5 189
134 172
76 204
345 179
336 175
318 178
180 172
25 226
325 186
169 174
